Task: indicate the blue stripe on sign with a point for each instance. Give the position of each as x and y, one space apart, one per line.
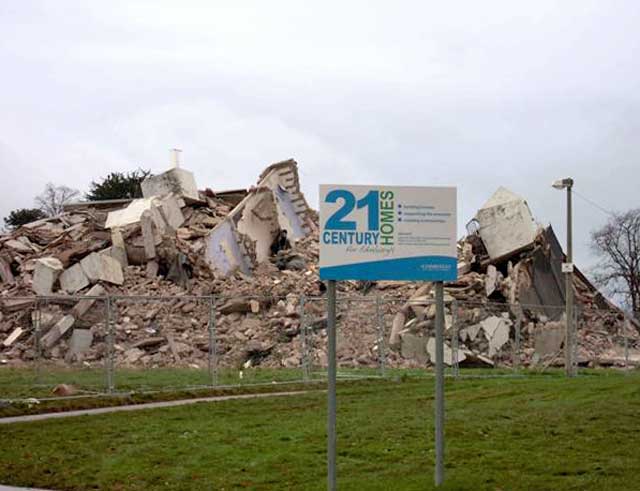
421 268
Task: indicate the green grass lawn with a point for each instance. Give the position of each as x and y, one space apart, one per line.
26 382
529 433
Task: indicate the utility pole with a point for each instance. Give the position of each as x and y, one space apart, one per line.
567 269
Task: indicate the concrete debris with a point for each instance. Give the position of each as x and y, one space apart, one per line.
74 279
506 224
18 246
414 348
46 273
148 237
179 182
129 215
80 341
64 390
99 267
448 353
12 338
83 306
246 236
118 249
256 251
6 275
57 331
549 339
496 331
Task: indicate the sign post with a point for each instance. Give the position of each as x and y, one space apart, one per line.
387 233
439 402
331 398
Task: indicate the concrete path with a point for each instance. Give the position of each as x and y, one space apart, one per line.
139 407
11 488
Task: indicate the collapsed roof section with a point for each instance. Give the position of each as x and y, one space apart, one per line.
245 237
521 260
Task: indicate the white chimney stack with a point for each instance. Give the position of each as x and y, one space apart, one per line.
174 154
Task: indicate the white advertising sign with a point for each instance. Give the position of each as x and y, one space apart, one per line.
388 233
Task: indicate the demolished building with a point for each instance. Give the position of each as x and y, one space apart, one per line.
255 250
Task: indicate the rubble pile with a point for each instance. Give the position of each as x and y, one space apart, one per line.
510 278
168 270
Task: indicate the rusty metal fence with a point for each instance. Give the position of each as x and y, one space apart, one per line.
85 346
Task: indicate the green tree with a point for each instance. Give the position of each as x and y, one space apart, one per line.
118 185
21 216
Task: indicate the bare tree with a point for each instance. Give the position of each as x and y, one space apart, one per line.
618 245
53 199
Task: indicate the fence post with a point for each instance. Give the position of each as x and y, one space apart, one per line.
36 339
518 331
574 341
109 355
381 346
455 363
304 360
626 344
213 348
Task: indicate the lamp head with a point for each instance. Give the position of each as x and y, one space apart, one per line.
567 182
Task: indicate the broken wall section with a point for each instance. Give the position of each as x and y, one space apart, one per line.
244 239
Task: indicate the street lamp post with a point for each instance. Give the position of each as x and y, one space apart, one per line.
567 268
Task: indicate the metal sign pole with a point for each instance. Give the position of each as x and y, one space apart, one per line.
331 389
439 471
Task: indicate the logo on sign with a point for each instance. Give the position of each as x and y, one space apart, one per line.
339 229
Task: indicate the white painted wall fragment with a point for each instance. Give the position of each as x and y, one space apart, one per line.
178 181
506 223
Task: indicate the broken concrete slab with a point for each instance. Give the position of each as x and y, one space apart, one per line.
152 268
133 355
18 246
57 331
173 347
178 181
146 224
492 280
414 347
81 340
506 224
448 353
499 339
64 390
83 306
171 212
99 267
474 360
47 270
255 306
470 332
6 275
118 249
232 306
496 331
130 214
13 337
224 250
396 328
73 279
549 338
149 342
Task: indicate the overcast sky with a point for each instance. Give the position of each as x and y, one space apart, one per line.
472 94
